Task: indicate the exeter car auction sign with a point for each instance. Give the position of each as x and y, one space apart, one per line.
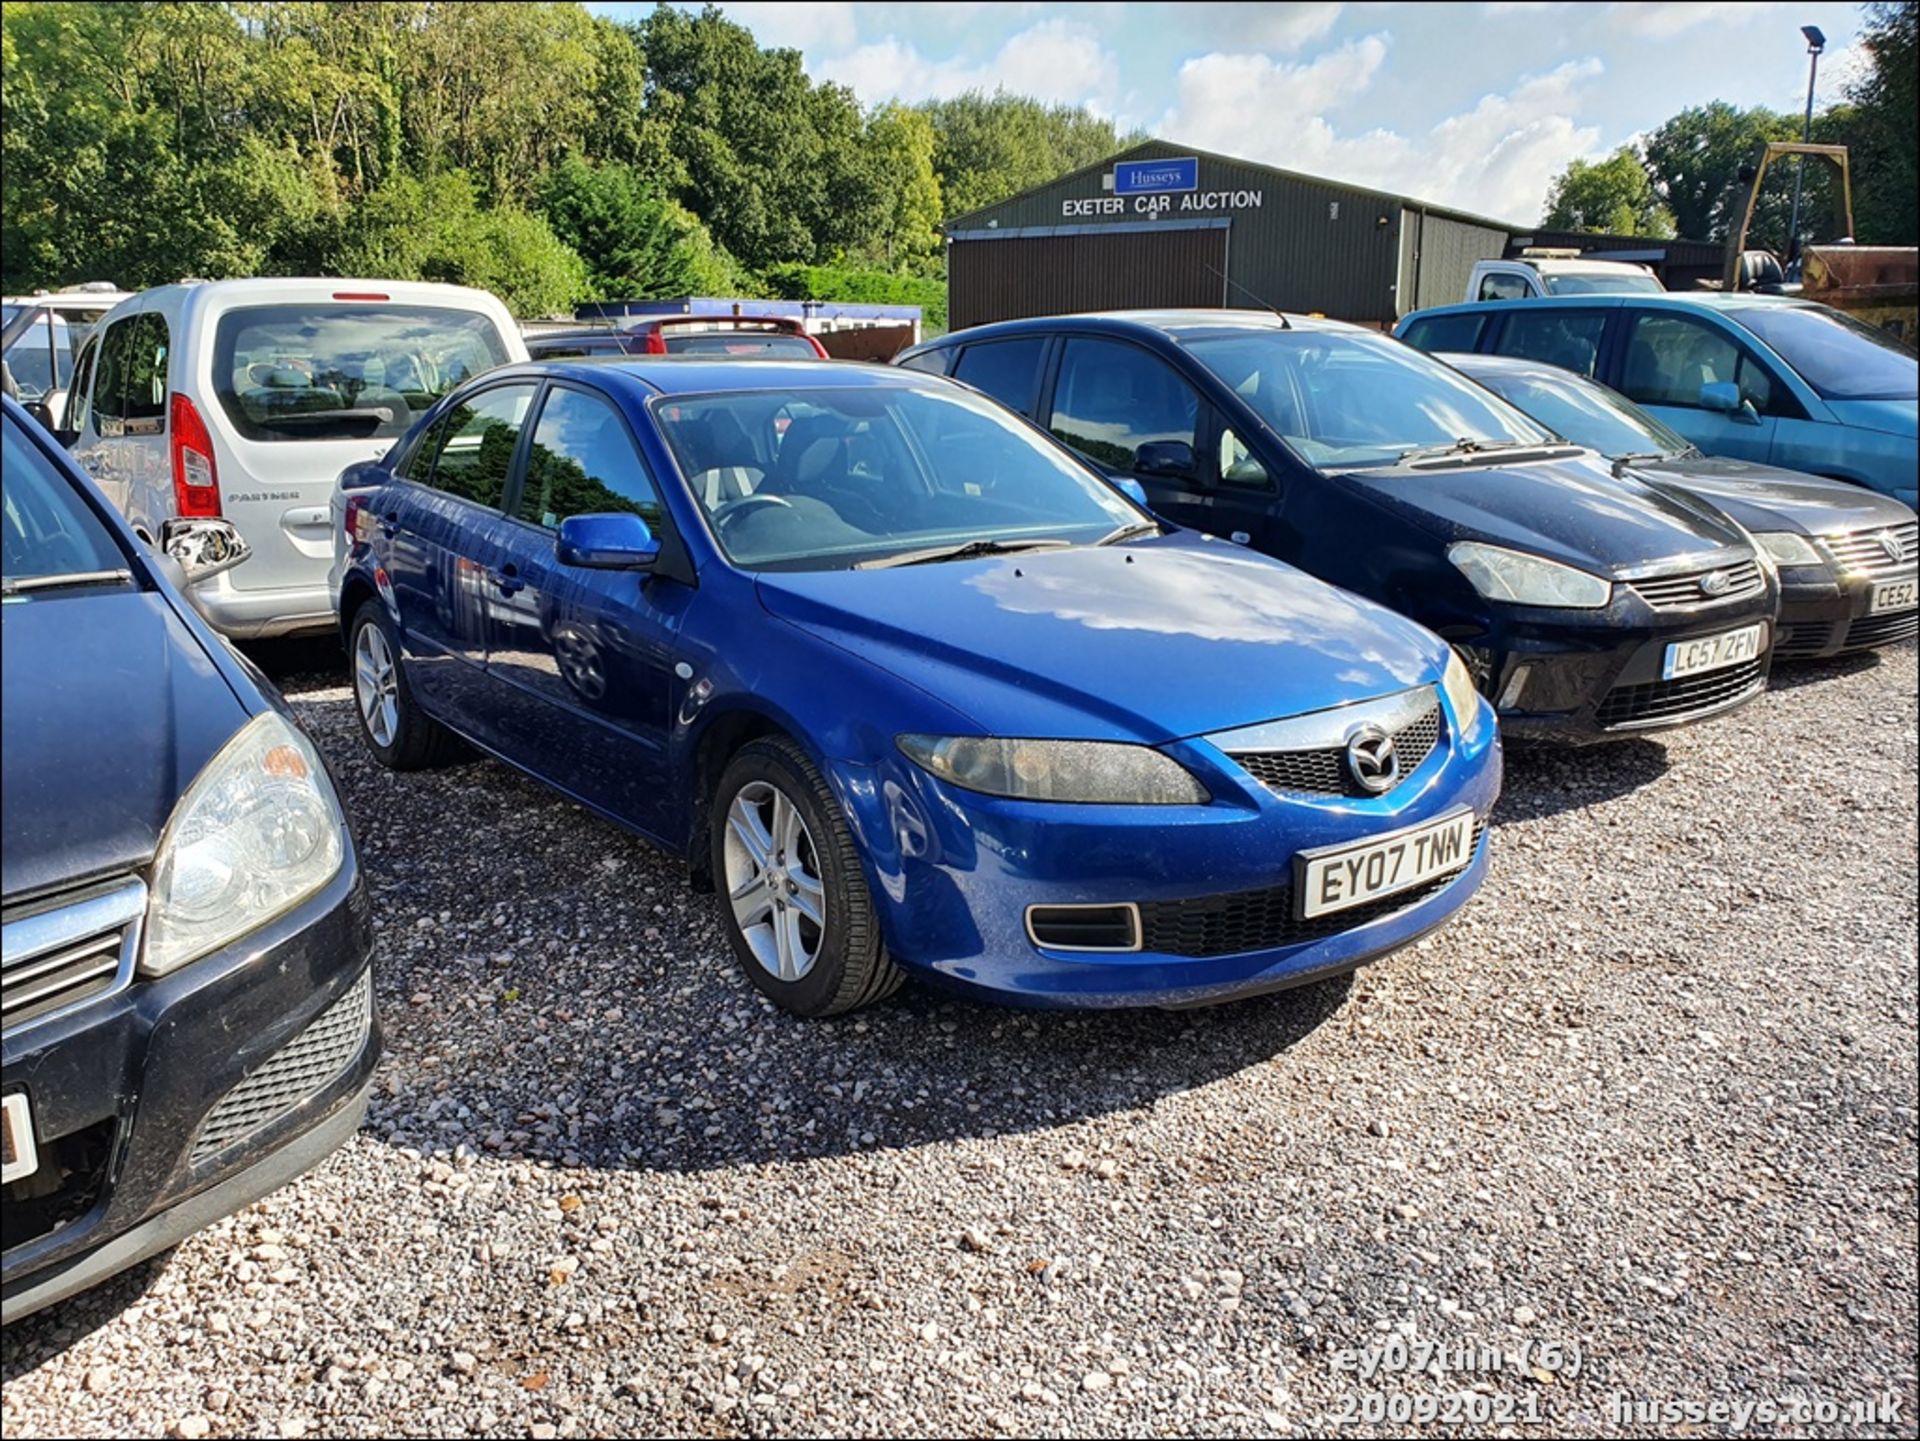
1158 187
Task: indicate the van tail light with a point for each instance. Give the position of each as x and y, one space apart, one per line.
656 344
196 488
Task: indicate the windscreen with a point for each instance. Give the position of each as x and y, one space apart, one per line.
1834 353
1603 285
1344 399
329 371
823 479
1586 414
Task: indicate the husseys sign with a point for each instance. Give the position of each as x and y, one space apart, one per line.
1158 187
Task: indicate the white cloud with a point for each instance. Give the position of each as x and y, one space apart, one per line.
1056 60
1496 159
827 25
1661 21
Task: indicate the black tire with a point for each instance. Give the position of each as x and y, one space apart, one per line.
851 967
419 742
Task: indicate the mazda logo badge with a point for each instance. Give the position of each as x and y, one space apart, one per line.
1893 545
1372 760
1716 582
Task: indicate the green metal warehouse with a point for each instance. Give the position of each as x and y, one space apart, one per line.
1167 225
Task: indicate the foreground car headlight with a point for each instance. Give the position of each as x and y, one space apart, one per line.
257 832
1783 547
1522 579
1099 772
1462 695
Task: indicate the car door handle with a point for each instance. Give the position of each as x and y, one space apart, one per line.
508 579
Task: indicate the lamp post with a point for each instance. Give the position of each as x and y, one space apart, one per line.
1816 42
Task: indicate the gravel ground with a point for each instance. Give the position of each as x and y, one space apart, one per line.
1652 1096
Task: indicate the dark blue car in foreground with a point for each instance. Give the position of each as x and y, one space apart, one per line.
910 686
1588 605
186 1016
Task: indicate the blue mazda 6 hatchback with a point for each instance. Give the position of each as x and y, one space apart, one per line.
910 686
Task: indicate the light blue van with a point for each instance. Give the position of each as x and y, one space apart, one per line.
1762 378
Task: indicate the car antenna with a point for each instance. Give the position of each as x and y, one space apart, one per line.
1264 305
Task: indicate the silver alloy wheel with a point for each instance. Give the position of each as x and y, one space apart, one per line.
773 880
376 685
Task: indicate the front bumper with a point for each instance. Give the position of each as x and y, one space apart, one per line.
1583 676
954 873
262 614
164 1105
1822 615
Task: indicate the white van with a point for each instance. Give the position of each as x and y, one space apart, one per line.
246 398
1534 273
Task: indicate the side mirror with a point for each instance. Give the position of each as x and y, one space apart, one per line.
1171 458
203 548
1132 489
1720 395
42 412
618 540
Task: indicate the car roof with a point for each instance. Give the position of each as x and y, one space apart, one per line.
1696 300
704 375
1175 324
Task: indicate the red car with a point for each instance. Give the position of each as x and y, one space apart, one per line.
685 335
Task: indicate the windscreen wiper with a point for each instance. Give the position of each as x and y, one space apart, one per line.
1129 531
1467 445
1622 463
29 583
968 551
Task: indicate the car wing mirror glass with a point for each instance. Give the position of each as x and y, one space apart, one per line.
203 547
617 540
1170 458
1720 395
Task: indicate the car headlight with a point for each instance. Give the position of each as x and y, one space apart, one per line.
1786 548
1098 772
1522 579
1462 694
257 832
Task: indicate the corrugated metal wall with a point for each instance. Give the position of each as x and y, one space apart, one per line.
1003 277
1442 258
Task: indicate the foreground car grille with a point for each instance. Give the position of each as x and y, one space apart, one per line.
1683 592
1263 920
76 947
1323 772
1862 552
1675 700
1872 630
294 1074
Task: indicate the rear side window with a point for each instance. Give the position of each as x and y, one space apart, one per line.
1112 398
130 394
1569 339
932 362
1008 370
77 396
1445 334
583 462
332 371
563 349
47 529
740 342
475 442
1503 286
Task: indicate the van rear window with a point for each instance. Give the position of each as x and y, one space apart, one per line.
344 372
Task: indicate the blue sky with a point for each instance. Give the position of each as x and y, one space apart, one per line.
1472 105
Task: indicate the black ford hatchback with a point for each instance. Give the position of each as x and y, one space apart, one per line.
186 1017
1587 605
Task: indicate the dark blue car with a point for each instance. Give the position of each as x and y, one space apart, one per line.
912 687
186 1011
1588 605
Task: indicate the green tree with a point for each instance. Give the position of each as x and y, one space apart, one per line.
637 244
1695 160
992 146
1886 138
1611 196
899 149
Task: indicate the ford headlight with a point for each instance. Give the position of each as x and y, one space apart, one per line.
1096 772
1522 579
257 832
1784 547
1462 695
